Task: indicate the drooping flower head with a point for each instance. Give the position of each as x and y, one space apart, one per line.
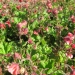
13 69
69 38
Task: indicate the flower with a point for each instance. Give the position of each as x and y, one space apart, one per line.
30 41
28 56
49 4
73 46
72 67
69 38
22 70
47 29
8 23
60 8
69 55
17 55
55 11
35 32
0 71
23 31
22 27
20 0
14 68
18 7
34 68
4 6
2 26
73 72
73 19
22 24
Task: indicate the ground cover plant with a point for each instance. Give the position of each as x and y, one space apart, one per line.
37 37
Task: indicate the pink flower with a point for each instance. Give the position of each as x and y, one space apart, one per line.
30 41
69 38
73 46
73 19
60 8
49 10
35 46
22 27
8 23
20 0
35 32
22 24
28 56
26 5
0 71
23 31
4 6
17 55
72 67
13 68
55 11
46 29
69 55
26 73
34 68
73 72
0 10
18 7
2 26
49 4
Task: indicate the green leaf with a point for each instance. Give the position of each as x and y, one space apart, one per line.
2 51
43 41
8 47
51 63
17 20
62 56
48 50
59 72
49 71
5 47
16 13
0 5
35 57
43 63
34 24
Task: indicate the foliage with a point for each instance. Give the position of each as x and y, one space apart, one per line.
37 37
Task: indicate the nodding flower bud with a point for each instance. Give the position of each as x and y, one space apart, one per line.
55 11
73 46
49 4
69 38
72 18
69 55
20 0
73 72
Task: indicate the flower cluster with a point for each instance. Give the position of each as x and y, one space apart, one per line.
69 40
22 27
73 19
